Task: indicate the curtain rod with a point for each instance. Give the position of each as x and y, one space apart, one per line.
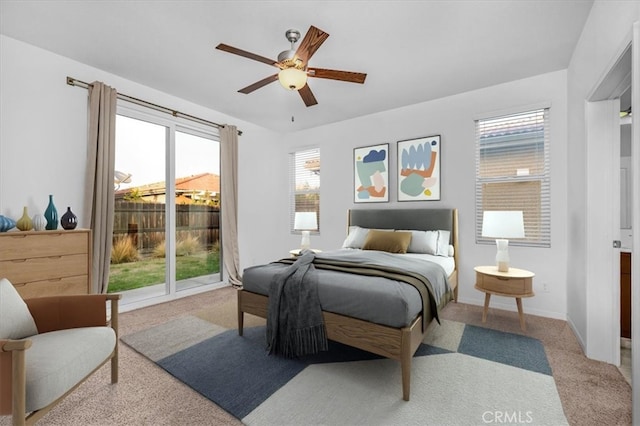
79 83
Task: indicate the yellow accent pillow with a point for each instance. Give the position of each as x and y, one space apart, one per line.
392 242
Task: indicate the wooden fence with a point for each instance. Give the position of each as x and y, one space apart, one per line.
145 223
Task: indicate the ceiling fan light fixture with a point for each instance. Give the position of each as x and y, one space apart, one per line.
292 78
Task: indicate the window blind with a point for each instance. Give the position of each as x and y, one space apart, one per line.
304 178
512 172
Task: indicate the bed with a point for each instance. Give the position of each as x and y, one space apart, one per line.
351 321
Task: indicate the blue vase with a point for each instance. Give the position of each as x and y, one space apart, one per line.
6 223
51 214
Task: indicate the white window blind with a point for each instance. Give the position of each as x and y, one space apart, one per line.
512 172
304 178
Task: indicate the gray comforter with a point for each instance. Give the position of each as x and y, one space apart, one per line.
369 285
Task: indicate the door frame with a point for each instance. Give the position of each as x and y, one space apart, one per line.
603 324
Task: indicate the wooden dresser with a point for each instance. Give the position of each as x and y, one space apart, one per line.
47 263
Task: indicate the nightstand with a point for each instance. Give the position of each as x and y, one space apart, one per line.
516 283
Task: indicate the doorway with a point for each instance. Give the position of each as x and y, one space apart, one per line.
603 137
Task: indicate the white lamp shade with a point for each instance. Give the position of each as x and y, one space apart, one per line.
305 221
502 224
292 78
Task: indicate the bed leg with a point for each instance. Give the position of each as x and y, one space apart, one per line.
405 364
406 379
240 315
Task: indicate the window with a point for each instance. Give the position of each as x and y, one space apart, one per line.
512 172
167 206
304 178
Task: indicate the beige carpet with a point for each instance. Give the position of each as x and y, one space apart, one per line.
592 393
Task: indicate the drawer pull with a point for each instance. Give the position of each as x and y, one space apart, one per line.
503 278
54 280
55 257
19 260
19 236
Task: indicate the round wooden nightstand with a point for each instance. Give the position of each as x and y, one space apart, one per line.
516 283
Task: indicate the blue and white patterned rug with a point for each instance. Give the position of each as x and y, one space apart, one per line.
461 375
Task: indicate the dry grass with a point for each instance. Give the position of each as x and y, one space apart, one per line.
184 247
123 251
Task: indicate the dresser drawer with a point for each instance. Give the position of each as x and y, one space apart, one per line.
44 268
503 284
24 245
56 287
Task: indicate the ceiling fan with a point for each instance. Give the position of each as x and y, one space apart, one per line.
293 65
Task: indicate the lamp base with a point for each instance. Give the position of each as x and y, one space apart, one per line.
305 243
502 255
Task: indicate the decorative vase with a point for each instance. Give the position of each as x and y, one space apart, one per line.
51 214
39 222
69 220
24 223
6 223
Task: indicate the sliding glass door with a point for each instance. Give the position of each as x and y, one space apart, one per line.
167 206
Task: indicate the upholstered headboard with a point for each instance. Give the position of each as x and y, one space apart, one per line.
416 219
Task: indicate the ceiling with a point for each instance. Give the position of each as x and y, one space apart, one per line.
412 51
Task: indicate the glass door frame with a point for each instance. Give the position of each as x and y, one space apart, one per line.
171 125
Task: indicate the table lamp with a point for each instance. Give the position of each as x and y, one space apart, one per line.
305 222
502 225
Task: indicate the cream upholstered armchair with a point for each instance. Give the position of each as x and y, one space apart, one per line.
49 345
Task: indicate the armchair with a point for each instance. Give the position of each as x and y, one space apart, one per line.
49 346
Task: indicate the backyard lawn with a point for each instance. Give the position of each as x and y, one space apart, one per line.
151 271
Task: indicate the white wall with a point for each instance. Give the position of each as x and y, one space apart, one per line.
43 140
607 31
452 118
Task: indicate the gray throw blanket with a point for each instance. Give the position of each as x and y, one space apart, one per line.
295 324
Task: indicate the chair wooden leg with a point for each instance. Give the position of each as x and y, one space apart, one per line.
19 388
114 324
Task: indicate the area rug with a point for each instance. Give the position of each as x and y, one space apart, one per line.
461 375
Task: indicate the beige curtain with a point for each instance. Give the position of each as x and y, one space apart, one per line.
229 192
99 201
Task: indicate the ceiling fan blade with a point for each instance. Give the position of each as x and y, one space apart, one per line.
352 77
310 43
307 96
245 54
259 84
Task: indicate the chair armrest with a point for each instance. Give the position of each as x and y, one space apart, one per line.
14 345
64 312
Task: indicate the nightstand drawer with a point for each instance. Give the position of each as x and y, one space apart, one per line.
503 284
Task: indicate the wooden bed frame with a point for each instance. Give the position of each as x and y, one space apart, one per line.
394 343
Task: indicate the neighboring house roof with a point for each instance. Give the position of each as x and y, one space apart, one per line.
195 184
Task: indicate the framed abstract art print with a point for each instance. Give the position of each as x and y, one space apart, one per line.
419 169
371 174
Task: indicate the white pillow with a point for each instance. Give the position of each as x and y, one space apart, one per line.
443 243
423 242
16 321
356 237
